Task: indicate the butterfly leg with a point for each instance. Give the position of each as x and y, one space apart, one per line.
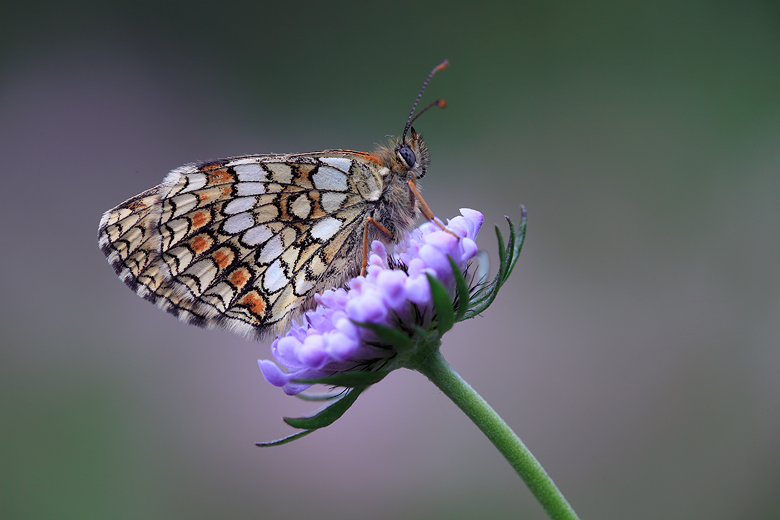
380 227
426 211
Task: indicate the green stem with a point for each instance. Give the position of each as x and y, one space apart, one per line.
435 367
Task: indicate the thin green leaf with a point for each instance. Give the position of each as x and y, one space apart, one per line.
284 440
327 415
519 239
393 337
347 379
476 310
442 303
463 290
482 295
483 291
501 254
510 247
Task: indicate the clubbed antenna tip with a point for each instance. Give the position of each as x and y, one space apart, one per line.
439 102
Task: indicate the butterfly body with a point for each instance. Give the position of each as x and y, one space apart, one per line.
244 243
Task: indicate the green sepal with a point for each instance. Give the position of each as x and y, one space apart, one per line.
284 440
328 414
393 337
352 379
463 290
442 303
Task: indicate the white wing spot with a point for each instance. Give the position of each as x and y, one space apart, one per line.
257 235
328 178
238 223
204 271
239 205
250 188
184 203
340 163
332 201
302 285
250 173
182 256
195 181
301 206
281 172
290 255
317 265
266 213
271 250
274 278
247 159
218 295
325 228
172 232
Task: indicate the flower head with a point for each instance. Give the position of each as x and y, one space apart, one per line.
395 293
393 317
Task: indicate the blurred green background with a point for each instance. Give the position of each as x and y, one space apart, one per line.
634 350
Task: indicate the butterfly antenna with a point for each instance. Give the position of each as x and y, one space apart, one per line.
440 102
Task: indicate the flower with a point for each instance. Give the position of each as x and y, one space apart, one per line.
393 317
336 337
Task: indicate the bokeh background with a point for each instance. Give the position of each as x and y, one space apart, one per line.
634 350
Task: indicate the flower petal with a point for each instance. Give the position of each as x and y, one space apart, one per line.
272 373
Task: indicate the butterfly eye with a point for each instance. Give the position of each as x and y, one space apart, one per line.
407 156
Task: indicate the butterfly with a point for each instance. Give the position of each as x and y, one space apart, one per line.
245 243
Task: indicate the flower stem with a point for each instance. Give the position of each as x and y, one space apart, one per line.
435 367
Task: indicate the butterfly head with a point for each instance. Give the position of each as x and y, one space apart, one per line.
411 156
411 153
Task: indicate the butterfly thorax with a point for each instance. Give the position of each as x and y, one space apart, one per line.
397 209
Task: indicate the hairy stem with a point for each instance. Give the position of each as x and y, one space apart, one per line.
435 367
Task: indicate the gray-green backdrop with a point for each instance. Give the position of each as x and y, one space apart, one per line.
635 349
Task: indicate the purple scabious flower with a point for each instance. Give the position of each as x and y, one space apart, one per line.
336 337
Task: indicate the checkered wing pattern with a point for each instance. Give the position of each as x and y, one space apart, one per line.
244 243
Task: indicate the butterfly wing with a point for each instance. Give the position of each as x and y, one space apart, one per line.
244 243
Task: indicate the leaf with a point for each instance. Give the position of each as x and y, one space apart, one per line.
327 415
442 303
463 290
501 253
510 247
284 440
392 337
519 239
347 379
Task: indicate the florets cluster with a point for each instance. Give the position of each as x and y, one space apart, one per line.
394 293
